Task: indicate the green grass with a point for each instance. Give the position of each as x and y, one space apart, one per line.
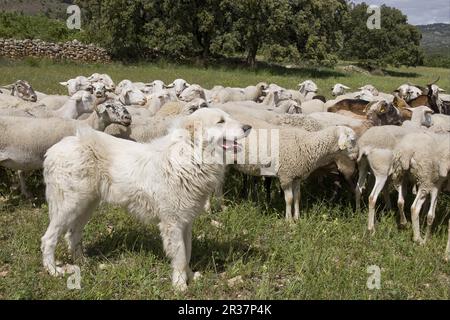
323 256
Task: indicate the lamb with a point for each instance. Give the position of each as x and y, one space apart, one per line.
376 151
24 141
426 157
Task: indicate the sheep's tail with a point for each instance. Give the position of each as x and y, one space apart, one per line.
401 162
363 152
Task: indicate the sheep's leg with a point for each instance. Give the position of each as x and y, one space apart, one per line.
431 211
447 250
387 198
75 231
401 204
173 236
297 196
23 184
363 167
415 212
288 198
380 182
267 188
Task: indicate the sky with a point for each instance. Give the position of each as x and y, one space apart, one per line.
418 11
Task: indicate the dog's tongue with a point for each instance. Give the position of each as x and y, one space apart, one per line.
227 145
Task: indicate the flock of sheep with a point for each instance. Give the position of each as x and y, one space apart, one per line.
401 138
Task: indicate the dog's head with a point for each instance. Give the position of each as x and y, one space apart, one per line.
215 129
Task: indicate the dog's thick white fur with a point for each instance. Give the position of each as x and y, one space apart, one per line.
160 181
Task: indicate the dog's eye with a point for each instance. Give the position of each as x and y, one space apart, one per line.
221 121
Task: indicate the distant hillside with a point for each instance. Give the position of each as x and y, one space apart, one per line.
436 38
50 8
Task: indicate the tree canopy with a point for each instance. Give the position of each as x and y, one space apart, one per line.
317 31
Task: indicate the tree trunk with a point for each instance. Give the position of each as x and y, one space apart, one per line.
251 56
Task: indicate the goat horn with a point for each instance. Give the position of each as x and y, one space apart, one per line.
438 78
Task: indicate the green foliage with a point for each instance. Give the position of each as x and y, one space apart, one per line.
15 25
438 60
317 32
396 43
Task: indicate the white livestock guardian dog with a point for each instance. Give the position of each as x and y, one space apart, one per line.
165 181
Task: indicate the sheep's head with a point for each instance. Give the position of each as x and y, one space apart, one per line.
422 115
122 85
156 86
347 141
339 89
23 90
307 86
383 113
193 106
262 86
103 78
131 96
193 92
113 112
99 89
374 91
179 85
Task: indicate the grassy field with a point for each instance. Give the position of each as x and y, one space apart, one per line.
251 253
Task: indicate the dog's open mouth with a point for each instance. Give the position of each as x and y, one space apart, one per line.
229 145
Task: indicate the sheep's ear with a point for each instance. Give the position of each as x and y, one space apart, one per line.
443 169
101 109
169 86
64 83
345 87
410 109
343 139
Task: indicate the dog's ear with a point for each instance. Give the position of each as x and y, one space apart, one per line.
191 126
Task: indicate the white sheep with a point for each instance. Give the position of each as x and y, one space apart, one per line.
103 78
81 102
21 89
194 91
300 153
76 84
376 147
426 156
423 116
24 141
178 86
339 89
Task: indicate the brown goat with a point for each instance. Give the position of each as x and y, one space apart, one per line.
354 105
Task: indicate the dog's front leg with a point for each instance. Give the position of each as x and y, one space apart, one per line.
175 247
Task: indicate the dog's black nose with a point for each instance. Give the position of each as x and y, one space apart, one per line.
246 128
